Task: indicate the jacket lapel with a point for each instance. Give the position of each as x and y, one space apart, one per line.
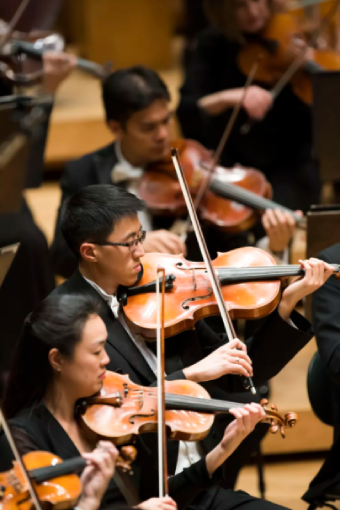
118 337
103 163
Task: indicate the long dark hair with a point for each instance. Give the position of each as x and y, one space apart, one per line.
58 322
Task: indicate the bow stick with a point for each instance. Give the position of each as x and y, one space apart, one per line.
228 325
162 446
13 23
18 458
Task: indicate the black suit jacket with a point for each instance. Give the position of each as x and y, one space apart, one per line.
326 321
270 349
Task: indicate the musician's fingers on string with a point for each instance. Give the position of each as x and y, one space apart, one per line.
256 413
321 272
272 220
329 270
286 220
318 270
103 457
242 418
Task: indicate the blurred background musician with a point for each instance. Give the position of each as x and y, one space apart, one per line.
326 321
279 144
31 276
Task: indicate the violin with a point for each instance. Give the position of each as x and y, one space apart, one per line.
124 409
273 44
19 70
232 202
55 481
249 279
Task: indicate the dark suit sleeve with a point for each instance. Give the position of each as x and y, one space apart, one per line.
273 345
185 486
201 79
63 260
326 318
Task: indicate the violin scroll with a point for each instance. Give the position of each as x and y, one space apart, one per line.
276 421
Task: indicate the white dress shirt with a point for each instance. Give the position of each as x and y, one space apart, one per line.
189 452
124 171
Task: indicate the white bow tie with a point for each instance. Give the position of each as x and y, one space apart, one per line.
123 172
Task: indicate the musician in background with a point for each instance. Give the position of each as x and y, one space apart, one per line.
136 102
31 276
279 143
326 321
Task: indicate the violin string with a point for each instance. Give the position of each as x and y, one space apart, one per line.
233 192
188 399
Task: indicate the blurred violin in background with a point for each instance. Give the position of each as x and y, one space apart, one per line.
232 202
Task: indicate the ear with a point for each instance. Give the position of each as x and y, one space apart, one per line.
56 360
88 252
116 128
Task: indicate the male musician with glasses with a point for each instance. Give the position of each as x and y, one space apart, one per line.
101 226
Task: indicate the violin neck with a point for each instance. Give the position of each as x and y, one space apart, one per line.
67 467
84 65
261 273
199 405
249 199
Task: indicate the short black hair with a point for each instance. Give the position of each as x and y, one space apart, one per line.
130 90
91 213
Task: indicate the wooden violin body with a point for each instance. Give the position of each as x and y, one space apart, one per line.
124 409
191 297
161 191
273 45
60 491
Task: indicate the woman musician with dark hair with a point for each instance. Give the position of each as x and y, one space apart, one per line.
61 358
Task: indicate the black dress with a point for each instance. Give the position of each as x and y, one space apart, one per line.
37 429
280 145
30 278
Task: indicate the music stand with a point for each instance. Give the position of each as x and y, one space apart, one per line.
20 117
326 123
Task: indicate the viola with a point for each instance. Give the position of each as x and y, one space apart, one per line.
249 278
124 409
55 481
234 198
273 44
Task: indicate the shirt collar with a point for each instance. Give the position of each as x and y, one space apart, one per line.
123 170
111 300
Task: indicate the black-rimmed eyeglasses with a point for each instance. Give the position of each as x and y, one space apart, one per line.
132 245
